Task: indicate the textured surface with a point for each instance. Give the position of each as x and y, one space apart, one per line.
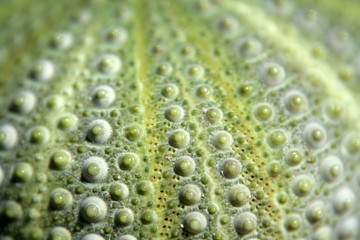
179 119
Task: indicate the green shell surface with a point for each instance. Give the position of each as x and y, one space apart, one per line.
181 119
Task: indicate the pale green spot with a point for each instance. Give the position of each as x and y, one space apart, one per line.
174 113
184 166
23 172
214 115
60 160
133 132
119 191
222 140
263 112
292 222
170 91
189 194
128 161
179 138
277 138
195 222
124 218
302 185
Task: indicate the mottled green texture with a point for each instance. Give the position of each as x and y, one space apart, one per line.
192 119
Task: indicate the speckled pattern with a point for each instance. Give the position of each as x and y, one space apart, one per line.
191 119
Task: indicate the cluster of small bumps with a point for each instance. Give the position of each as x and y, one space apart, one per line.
124 124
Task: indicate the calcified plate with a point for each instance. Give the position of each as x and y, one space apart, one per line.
179 119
